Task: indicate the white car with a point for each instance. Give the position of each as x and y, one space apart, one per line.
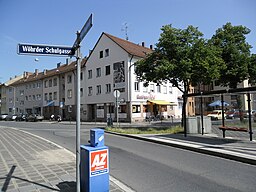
215 115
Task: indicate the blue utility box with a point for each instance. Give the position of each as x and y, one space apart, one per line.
97 137
94 169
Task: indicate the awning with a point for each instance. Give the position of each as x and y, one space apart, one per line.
161 102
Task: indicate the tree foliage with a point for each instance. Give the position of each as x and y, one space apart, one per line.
235 52
183 57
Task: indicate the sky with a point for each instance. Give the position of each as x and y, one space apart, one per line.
55 22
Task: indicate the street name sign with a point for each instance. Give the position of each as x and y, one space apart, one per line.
44 50
87 26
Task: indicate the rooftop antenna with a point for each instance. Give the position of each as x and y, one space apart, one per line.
125 29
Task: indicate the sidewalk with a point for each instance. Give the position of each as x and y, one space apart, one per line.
237 148
32 164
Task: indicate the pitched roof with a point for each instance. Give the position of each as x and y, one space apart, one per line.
129 47
49 73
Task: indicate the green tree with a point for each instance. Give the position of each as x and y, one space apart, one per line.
182 57
235 52
252 69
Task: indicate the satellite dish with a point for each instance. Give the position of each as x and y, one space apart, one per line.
36 59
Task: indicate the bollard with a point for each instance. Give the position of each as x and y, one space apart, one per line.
94 169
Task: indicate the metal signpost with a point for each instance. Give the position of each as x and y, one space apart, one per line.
55 50
76 47
117 95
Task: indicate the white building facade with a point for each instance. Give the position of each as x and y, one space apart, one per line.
110 67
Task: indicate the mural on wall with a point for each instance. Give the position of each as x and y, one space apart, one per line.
119 75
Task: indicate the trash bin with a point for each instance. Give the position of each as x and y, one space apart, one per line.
109 122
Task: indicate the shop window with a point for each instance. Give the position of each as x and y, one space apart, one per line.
136 108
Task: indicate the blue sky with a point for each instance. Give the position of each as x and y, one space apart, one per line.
55 22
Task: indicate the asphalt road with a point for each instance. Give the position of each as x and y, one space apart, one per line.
150 167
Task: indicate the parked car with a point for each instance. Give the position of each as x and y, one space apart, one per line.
3 116
254 117
21 117
10 117
215 115
232 114
35 117
246 113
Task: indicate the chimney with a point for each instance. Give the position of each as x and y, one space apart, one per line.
36 72
67 61
151 47
143 44
58 64
25 74
10 78
45 71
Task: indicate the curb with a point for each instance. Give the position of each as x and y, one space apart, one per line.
193 147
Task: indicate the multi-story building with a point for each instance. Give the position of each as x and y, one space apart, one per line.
9 96
109 67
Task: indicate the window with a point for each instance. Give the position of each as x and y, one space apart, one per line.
81 92
89 91
81 76
21 92
98 72
29 97
136 86
10 100
145 89
107 70
165 89
136 108
108 88
106 52
152 88
50 83
38 97
34 85
10 90
26 98
122 109
55 82
69 79
233 97
101 54
46 96
45 83
98 89
89 74
55 96
50 96
170 89
69 93
158 88
38 85
34 97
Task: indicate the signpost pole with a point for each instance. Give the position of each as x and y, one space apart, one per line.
78 74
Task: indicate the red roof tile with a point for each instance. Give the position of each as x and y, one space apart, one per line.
129 47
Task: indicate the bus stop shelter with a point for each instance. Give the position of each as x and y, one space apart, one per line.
248 91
